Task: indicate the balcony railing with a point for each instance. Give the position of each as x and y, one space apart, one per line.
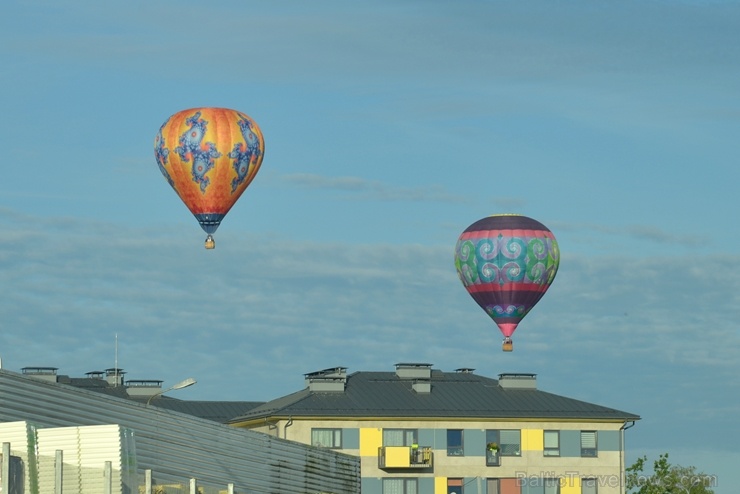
493 458
405 457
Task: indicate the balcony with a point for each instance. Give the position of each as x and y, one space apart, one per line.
493 458
405 457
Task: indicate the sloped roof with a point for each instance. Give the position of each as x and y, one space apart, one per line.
453 395
217 411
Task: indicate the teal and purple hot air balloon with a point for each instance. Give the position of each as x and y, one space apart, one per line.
506 263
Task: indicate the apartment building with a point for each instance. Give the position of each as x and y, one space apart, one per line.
418 430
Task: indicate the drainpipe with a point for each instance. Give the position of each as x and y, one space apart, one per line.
285 429
622 457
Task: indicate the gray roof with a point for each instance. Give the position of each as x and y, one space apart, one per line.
453 395
217 411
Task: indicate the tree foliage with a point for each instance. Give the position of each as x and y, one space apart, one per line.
667 478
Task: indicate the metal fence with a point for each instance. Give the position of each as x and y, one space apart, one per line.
175 447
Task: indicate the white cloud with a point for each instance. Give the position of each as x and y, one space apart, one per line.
364 189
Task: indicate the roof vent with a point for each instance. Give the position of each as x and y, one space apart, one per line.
517 381
423 386
330 380
95 374
414 371
45 373
143 388
464 370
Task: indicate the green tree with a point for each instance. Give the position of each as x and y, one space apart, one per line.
667 478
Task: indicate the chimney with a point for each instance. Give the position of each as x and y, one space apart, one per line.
419 374
114 376
414 371
332 380
517 381
44 373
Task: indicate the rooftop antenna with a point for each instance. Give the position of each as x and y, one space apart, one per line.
116 361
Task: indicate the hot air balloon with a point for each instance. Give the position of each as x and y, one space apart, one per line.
209 156
507 263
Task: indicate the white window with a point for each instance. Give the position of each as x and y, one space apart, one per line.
588 443
399 437
511 442
326 438
552 443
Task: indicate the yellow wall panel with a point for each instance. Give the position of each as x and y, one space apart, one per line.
397 456
440 485
570 484
371 439
532 440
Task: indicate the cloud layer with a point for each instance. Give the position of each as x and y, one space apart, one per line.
248 319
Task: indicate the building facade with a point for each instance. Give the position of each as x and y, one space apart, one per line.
420 430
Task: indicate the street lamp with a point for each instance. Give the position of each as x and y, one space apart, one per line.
182 384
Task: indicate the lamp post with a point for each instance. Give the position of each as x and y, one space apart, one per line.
182 384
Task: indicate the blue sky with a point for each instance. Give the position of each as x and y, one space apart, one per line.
389 127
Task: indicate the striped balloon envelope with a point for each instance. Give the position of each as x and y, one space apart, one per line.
209 156
507 263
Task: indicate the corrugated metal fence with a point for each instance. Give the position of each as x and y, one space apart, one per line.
177 447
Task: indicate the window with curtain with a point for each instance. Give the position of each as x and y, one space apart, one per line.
455 442
511 442
492 486
588 486
551 443
400 486
400 437
326 438
588 443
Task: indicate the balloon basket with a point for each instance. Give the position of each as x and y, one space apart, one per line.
210 243
508 345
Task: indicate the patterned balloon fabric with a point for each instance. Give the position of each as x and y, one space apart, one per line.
507 263
209 156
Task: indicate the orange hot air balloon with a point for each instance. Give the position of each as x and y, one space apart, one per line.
209 156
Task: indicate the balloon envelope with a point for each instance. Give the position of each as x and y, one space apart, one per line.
507 263
209 156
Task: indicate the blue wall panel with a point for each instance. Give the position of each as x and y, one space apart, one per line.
372 486
440 439
474 442
426 438
570 443
426 485
351 438
608 440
